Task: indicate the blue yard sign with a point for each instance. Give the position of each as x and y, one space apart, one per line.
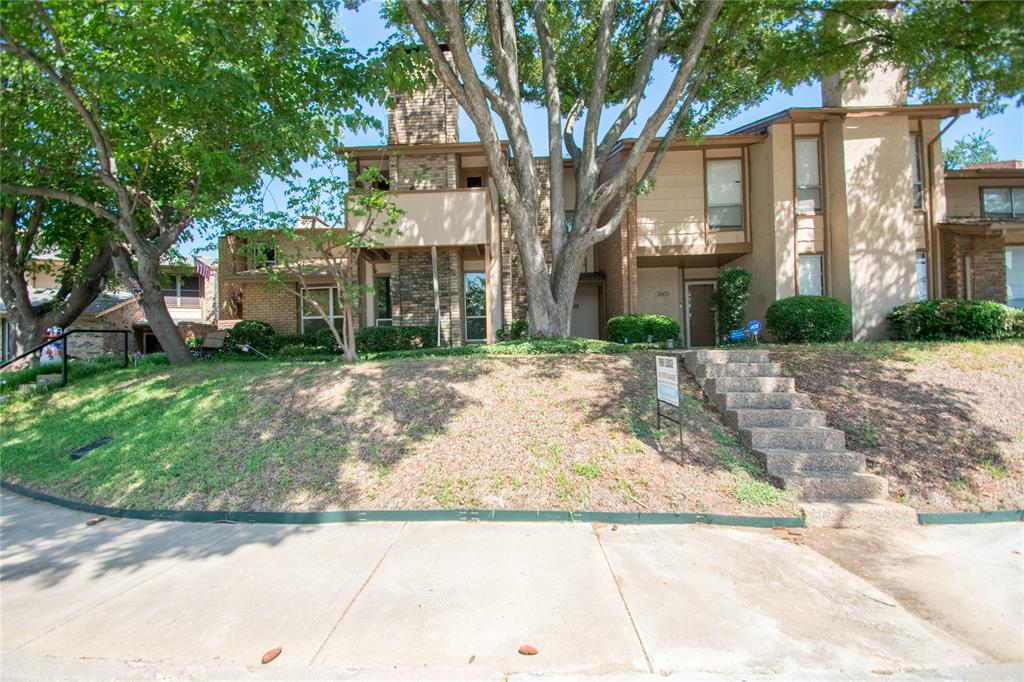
737 335
754 326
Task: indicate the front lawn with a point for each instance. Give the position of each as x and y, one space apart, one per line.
568 432
944 422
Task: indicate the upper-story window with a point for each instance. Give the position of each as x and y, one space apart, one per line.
725 193
808 175
474 181
915 170
183 292
1002 202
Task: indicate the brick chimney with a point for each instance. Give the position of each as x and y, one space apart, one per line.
430 116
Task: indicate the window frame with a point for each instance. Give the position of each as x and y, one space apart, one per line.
377 319
707 195
921 259
819 200
1015 212
339 319
465 306
821 273
1016 249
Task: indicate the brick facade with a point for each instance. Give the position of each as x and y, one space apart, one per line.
412 291
512 278
988 266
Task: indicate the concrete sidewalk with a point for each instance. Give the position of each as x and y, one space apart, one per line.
456 600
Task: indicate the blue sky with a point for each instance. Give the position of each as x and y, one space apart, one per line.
364 28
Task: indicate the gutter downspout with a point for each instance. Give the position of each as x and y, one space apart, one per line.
932 239
437 294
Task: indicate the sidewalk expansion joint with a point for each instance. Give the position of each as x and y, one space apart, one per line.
622 598
348 607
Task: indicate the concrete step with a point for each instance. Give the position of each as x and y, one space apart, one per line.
711 355
774 418
749 385
809 462
760 401
836 486
857 514
737 369
793 438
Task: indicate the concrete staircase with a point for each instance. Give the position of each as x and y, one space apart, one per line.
792 441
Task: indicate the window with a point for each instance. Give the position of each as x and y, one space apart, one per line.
725 193
811 280
382 292
1015 276
326 298
808 176
1003 202
183 292
475 292
474 181
269 257
922 276
915 170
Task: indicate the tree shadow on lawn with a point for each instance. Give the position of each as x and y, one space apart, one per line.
926 436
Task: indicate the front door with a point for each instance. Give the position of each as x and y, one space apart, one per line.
700 318
585 312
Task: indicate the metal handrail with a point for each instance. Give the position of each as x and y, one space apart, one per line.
64 355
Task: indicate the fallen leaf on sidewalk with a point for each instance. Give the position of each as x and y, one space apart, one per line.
472 658
527 650
615 527
93 522
271 655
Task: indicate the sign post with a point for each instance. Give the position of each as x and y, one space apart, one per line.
667 374
754 326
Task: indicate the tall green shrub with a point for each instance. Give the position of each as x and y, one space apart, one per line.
729 299
636 328
808 319
255 333
383 339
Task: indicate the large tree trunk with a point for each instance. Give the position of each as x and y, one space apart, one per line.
154 306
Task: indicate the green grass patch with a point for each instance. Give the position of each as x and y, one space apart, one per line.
589 470
751 490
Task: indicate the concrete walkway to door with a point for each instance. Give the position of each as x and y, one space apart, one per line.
140 599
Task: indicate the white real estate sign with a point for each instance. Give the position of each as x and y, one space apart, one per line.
668 379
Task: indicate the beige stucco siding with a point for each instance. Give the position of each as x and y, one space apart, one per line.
658 292
438 218
881 226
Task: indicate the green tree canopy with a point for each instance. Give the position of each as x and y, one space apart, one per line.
152 114
971 149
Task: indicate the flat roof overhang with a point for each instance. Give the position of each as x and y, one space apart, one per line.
706 256
981 227
815 114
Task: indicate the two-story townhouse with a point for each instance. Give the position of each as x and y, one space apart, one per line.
846 200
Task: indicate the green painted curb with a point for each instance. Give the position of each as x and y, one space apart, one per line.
1001 516
411 515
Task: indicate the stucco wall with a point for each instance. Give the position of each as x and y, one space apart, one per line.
881 230
963 195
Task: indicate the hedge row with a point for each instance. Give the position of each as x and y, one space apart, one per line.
808 319
262 337
950 320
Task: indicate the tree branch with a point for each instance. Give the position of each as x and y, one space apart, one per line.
554 112
61 195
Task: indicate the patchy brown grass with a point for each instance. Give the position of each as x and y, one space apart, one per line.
572 432
944 422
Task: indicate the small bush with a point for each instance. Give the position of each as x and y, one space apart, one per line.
636 329
730 298
385 339
808 319
517 330
255 333
952 319
523 347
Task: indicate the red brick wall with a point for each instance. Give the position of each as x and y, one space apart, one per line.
988 266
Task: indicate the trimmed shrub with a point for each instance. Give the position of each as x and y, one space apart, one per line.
730 299
808 319
515 331
384 339
951 319
636 329
255 333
